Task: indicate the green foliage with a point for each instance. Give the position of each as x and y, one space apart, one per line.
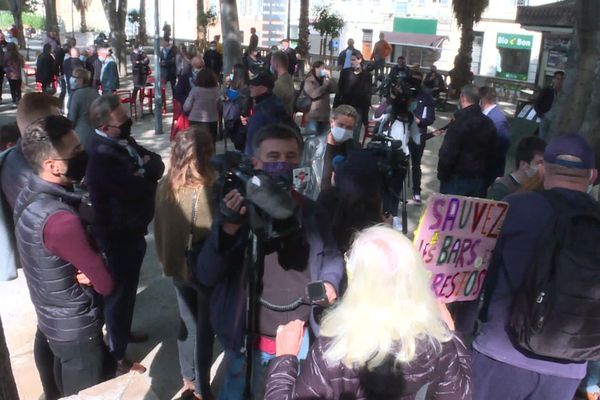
468 11
327 22
133 16
207 18
29 19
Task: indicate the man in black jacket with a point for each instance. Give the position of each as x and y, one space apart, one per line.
291 54
54 251
44 73
467 148
213 60
545 103
168 64
121 176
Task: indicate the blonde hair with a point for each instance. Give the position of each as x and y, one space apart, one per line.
388 306
190 161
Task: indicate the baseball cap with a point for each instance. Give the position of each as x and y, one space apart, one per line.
263 79
563 149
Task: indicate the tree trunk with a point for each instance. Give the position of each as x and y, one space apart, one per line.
303 33
84 27
16 9
51 17
462 62
232 49
142 35
579 102
8 388
200 28
115 14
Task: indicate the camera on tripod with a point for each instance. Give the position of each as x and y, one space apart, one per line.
272 210
391 160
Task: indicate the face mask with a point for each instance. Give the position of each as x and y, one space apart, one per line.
272 69
73 83
125 129
102 58
76 166
278 168
412 107
340 134
531 171
322 74
82 58
231 77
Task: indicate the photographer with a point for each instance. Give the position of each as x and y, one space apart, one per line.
403 127
290 264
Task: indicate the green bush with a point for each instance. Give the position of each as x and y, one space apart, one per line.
29 19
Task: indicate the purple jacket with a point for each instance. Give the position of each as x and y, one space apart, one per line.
221 267
446 370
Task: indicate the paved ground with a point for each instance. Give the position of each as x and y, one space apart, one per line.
156 310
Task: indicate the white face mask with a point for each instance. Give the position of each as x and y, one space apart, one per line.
532 170
340 135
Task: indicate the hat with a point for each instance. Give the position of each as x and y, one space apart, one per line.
263 79
563 149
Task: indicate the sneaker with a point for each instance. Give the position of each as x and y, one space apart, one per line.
417 199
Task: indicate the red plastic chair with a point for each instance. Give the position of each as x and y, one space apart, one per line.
126 97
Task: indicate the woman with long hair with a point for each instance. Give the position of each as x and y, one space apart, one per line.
184 207
13 64
387 337
355 89
203 102
317 86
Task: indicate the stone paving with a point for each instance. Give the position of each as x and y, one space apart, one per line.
156 308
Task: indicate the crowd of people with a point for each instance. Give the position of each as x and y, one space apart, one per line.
305 280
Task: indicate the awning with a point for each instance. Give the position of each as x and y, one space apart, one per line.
554 15
415 40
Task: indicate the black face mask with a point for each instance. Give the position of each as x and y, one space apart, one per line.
125 129
76 166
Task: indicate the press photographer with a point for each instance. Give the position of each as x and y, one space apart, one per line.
298 263
391 147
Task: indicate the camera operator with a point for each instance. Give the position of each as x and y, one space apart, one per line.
402 127
290 264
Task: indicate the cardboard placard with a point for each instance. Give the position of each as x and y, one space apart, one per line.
456 237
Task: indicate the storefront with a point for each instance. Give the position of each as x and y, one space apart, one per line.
514 54
555 22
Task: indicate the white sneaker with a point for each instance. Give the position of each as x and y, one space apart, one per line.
417 199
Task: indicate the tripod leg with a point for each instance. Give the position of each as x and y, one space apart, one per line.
404 210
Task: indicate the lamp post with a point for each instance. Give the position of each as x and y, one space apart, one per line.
158 128
289 11
72 21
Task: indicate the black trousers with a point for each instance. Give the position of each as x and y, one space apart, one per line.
416 155
78 364
211 127
15 89
44 361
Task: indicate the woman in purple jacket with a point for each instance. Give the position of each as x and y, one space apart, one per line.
386 339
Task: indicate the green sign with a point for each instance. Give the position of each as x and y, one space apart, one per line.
413 25
510 41
511 75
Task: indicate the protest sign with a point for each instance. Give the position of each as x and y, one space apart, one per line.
456 237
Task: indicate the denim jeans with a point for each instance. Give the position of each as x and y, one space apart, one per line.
235 371
195 338
592 379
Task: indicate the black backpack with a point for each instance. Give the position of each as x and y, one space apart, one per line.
556 312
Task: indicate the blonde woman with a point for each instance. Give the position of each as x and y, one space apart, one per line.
186 191
386 338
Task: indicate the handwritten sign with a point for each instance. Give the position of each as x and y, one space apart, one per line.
456 237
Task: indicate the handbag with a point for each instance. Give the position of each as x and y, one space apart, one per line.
303 101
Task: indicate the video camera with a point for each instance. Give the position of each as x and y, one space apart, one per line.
272 210
391 160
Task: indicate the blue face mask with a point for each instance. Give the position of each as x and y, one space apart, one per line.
73 83
82 58
412 107
322 74
231 77
278 168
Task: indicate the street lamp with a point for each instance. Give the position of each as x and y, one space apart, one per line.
158 129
